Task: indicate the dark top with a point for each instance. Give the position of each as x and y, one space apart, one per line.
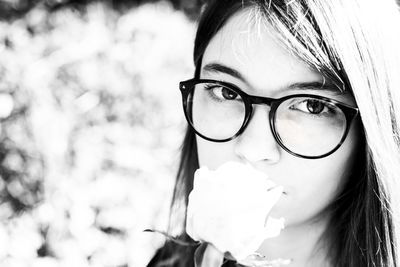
173 255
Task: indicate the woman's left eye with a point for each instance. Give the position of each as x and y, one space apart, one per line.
312 106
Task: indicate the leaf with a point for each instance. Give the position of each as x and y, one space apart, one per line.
198 255
206 255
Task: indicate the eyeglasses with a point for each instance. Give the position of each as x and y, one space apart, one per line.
305 125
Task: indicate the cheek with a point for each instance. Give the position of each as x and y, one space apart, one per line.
312 185
213 154
309 190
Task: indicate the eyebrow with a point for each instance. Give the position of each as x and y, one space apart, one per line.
325 86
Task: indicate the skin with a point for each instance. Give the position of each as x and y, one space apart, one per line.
268 69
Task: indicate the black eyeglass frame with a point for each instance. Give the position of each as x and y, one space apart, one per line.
187 87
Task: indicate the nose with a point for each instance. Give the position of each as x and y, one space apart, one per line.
257 142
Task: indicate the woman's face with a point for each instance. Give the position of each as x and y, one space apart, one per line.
266 68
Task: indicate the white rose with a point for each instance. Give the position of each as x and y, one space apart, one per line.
229 208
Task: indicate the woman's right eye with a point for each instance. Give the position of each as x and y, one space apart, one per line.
222 93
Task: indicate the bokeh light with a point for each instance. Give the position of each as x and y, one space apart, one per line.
91 126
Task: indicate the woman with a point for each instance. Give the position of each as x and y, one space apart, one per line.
328 73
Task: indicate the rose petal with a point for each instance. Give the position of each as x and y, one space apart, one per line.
228 207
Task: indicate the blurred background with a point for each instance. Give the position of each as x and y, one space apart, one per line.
90 125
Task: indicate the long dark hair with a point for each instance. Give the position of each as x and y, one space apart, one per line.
361 229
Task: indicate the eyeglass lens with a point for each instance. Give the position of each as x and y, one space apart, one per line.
306 126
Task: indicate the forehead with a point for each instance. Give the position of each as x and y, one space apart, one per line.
248 44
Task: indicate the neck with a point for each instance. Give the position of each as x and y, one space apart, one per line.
300 243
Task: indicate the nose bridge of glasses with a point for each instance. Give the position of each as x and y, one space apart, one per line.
258 142
260 100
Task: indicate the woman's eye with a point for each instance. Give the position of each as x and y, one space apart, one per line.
315 106
312 106
228 94
224 93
